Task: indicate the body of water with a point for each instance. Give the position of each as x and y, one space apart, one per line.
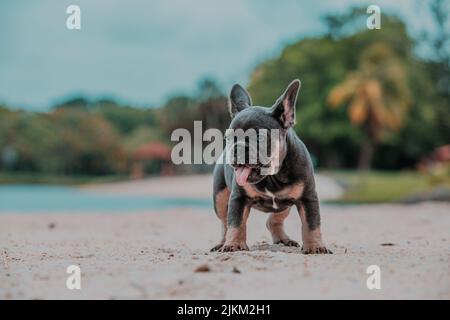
53 199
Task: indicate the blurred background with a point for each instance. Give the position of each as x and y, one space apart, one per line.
99 104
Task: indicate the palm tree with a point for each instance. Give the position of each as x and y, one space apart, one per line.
377 97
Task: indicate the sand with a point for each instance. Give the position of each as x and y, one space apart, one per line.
155 255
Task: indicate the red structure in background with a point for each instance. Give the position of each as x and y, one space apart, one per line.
440 157
151 152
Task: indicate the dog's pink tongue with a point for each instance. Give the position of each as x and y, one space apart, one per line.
242 174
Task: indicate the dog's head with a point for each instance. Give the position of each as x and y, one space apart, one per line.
256 139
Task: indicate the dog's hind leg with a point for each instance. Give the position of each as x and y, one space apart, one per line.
275 225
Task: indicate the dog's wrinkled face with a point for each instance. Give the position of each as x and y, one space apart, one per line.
256 139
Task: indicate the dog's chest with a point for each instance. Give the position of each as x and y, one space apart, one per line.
276 201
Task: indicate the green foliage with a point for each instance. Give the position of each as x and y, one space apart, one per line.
379 186
125 118
142 135
209 105
67 141
323 62
83 137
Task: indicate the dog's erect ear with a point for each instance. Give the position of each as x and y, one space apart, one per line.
284 107
239 100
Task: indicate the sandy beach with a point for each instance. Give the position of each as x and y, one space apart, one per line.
157 254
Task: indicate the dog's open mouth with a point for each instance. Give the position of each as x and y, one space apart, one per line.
248 174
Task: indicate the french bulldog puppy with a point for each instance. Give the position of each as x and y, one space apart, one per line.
286 180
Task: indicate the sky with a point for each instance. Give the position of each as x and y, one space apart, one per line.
141 52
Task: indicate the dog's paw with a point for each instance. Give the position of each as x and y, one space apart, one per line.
287 242
242 246
217 247
316 250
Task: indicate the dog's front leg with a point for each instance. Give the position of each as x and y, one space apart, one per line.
236 234
309 212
